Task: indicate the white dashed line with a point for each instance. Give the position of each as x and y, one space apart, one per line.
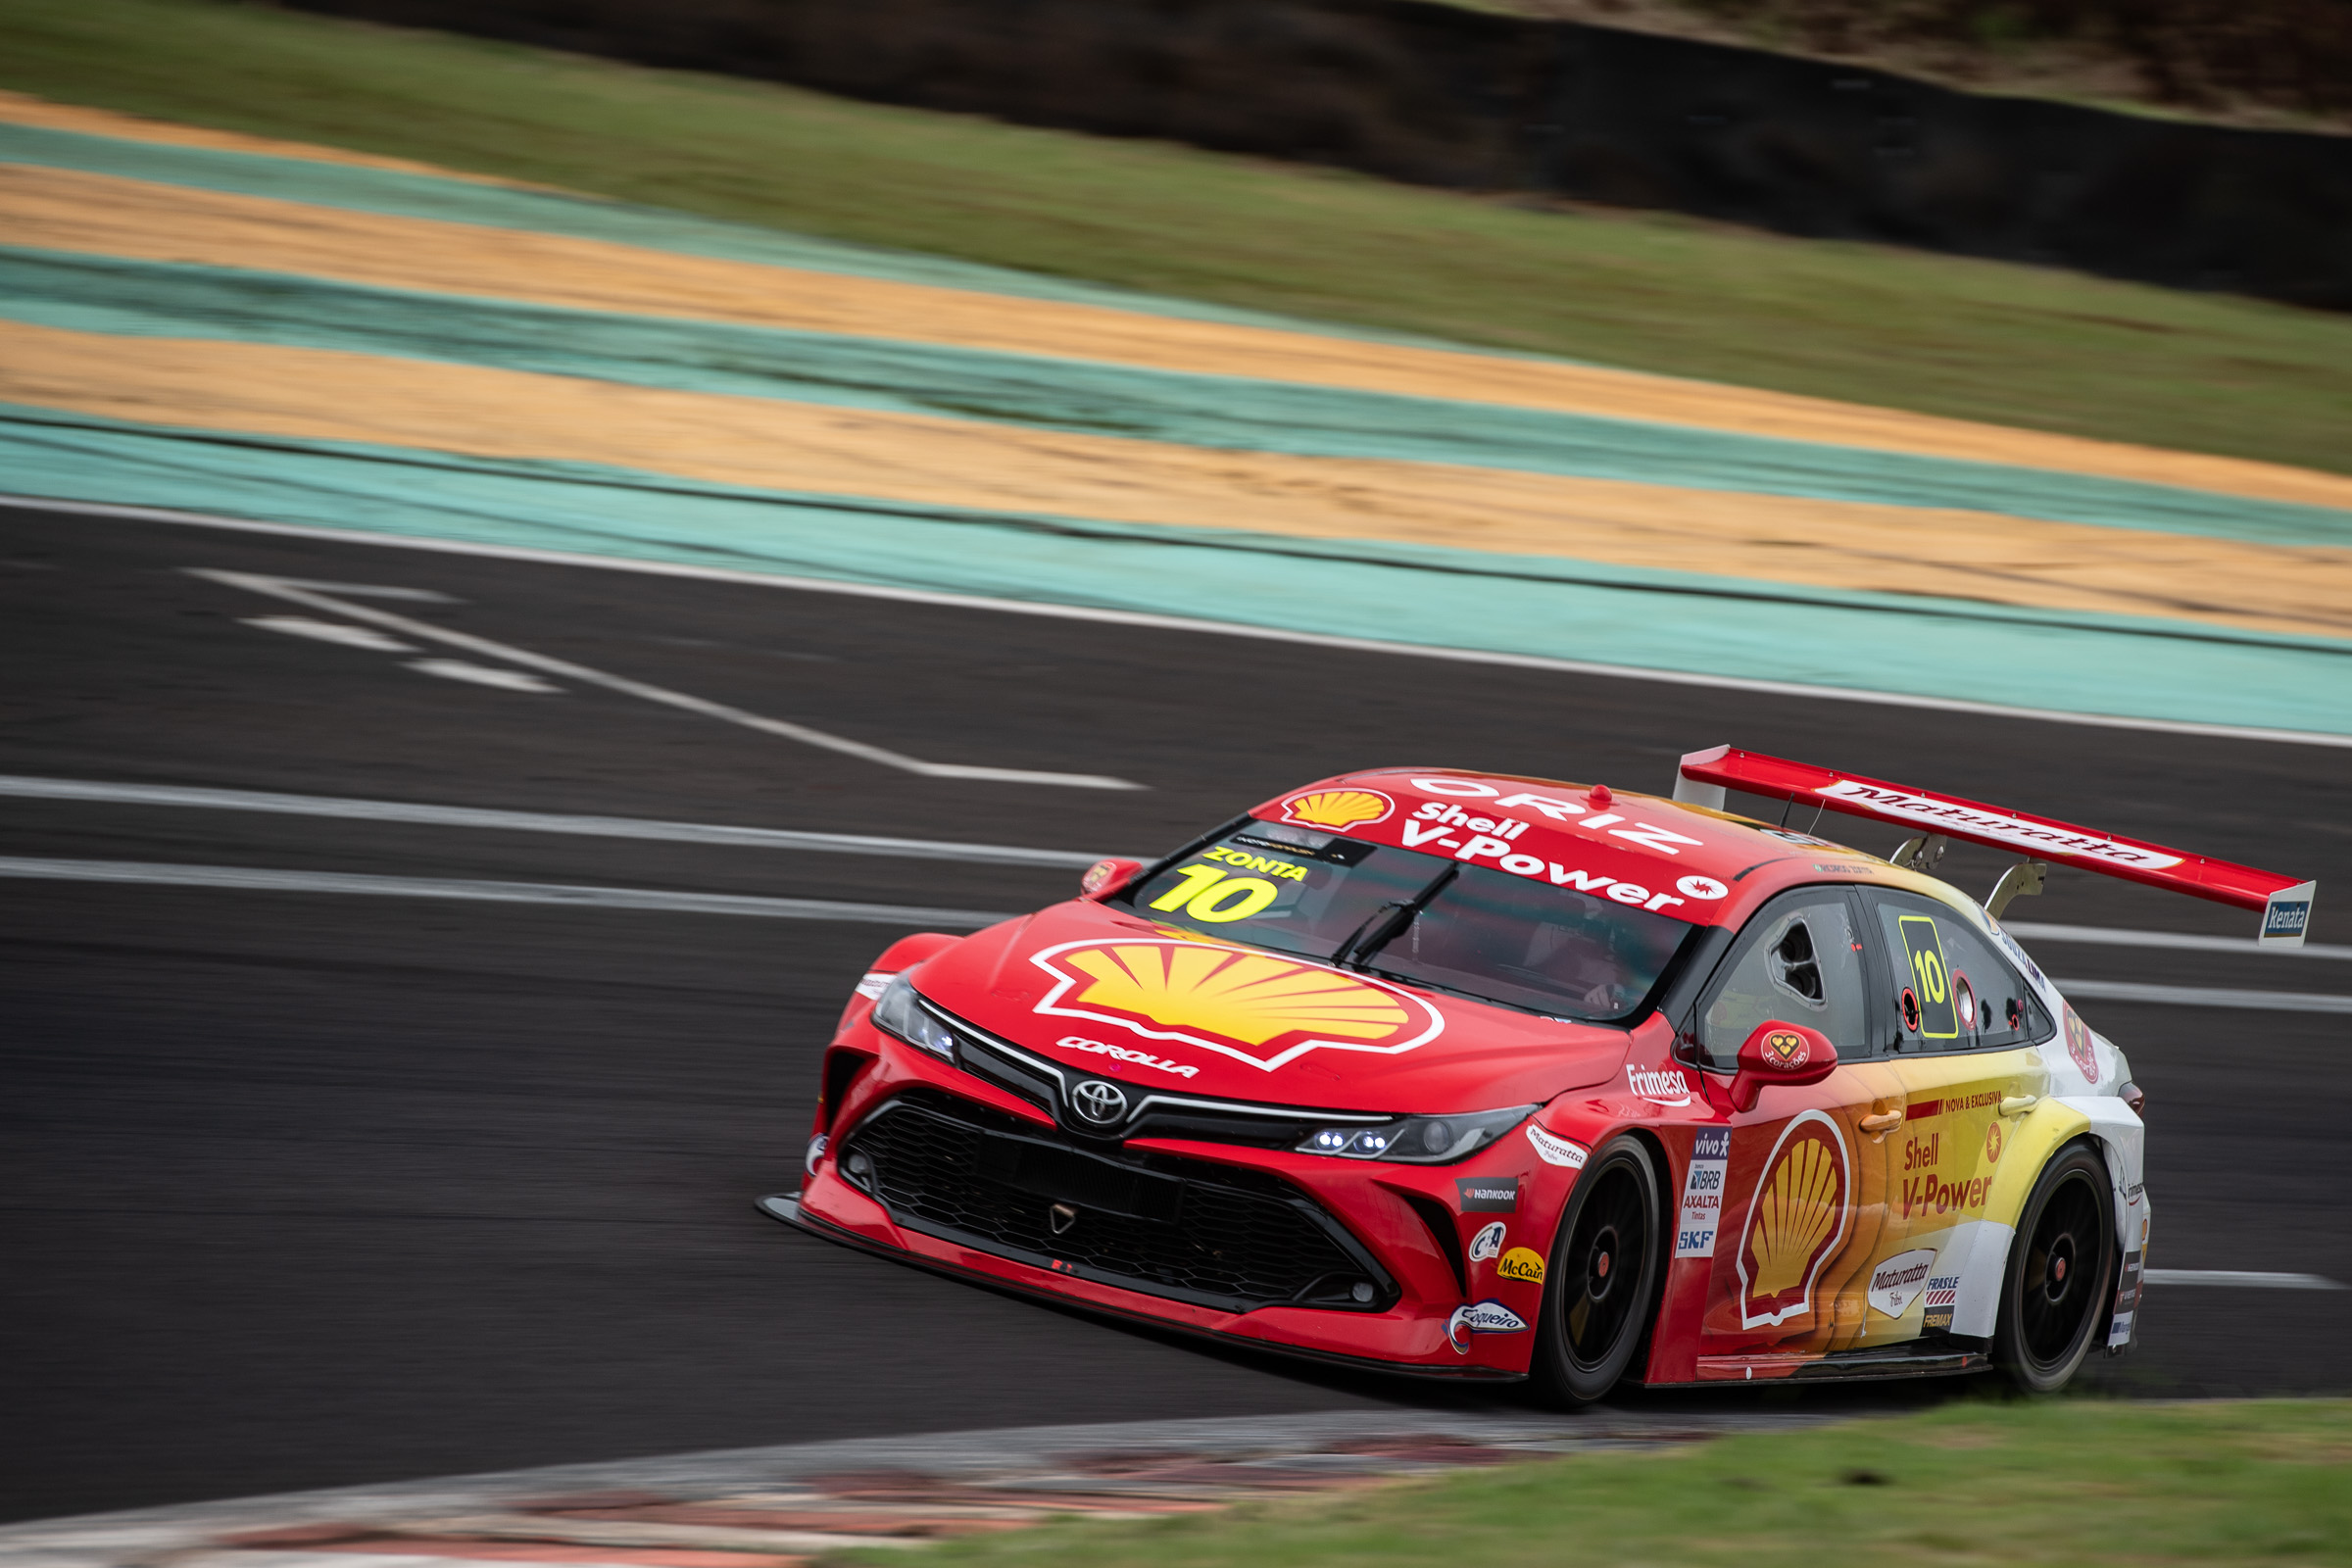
283 588
512 680
2202 997
327 631
2120 937
2241 1278
604 827
1182 623
260 879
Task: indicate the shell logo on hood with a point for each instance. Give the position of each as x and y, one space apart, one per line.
1252 1006
1796 1221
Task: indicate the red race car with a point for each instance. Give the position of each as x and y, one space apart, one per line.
1462 1074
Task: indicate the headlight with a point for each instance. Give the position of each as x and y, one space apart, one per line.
1418 1140
900 1011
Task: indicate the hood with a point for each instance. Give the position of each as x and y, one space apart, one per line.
1104 991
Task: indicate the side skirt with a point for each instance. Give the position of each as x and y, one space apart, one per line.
1864 1366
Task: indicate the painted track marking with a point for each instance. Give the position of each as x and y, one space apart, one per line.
311 598
2202 997
2122 937
2242 1278
1130 618
607 827
329 631
511 680
258 879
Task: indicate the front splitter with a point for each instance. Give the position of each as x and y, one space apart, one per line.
786 1207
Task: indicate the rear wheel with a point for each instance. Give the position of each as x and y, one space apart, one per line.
2060 1269
1602 1277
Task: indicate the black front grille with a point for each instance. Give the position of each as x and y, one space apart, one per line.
1185 1229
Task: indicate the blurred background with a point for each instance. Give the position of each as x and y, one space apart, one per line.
538 535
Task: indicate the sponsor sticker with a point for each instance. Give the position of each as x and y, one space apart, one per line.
1659 1086
2283 919
1943 1291
1787 1050
1522 1264
2040 837
1252 1006
1486 1243
1487 1195
817 1151
2081 1047
2010 947
1897 1281
1483 1317
1797 1219
1141 1058
1556 1150
1263 864
1702 1194
874 984
1993 1139
1337 810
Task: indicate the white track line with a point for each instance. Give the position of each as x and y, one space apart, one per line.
2202 997
282 588
506 680
2243 1279
603 827
2120 937
252 879
1219 628
331 631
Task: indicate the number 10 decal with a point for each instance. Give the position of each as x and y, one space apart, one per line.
1938 1019
1209 894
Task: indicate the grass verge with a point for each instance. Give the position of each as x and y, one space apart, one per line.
2013 345
2072 1482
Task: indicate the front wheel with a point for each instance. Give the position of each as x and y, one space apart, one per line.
1602 1277
2060 1268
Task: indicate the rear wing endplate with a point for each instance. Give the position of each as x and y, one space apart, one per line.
2284 903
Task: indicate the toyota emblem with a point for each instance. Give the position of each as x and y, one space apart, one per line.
1104 1105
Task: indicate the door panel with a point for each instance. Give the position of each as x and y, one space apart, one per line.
1801 1201
1963 1030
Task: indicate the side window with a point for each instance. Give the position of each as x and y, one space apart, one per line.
1799 961
1951 989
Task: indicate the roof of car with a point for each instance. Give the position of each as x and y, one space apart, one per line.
1704 867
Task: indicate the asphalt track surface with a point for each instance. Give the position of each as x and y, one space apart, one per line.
306 1189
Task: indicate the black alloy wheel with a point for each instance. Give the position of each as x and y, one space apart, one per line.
2055 1297
1601 1281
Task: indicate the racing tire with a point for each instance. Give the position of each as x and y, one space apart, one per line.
1601 1286
2061 1269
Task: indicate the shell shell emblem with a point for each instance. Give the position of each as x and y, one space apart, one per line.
1786 1049
1796 1221
1337 810
1254 1007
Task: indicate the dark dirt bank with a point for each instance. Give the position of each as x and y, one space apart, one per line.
1443 96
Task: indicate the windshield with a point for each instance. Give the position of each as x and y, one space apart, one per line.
1419 919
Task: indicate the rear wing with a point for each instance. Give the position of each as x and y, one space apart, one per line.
2284 903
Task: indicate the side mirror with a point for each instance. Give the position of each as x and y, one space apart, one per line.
1781 1054
1105 877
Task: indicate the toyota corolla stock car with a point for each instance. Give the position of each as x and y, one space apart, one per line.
1460 1074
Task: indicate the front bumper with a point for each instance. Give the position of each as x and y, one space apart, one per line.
1402 1227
